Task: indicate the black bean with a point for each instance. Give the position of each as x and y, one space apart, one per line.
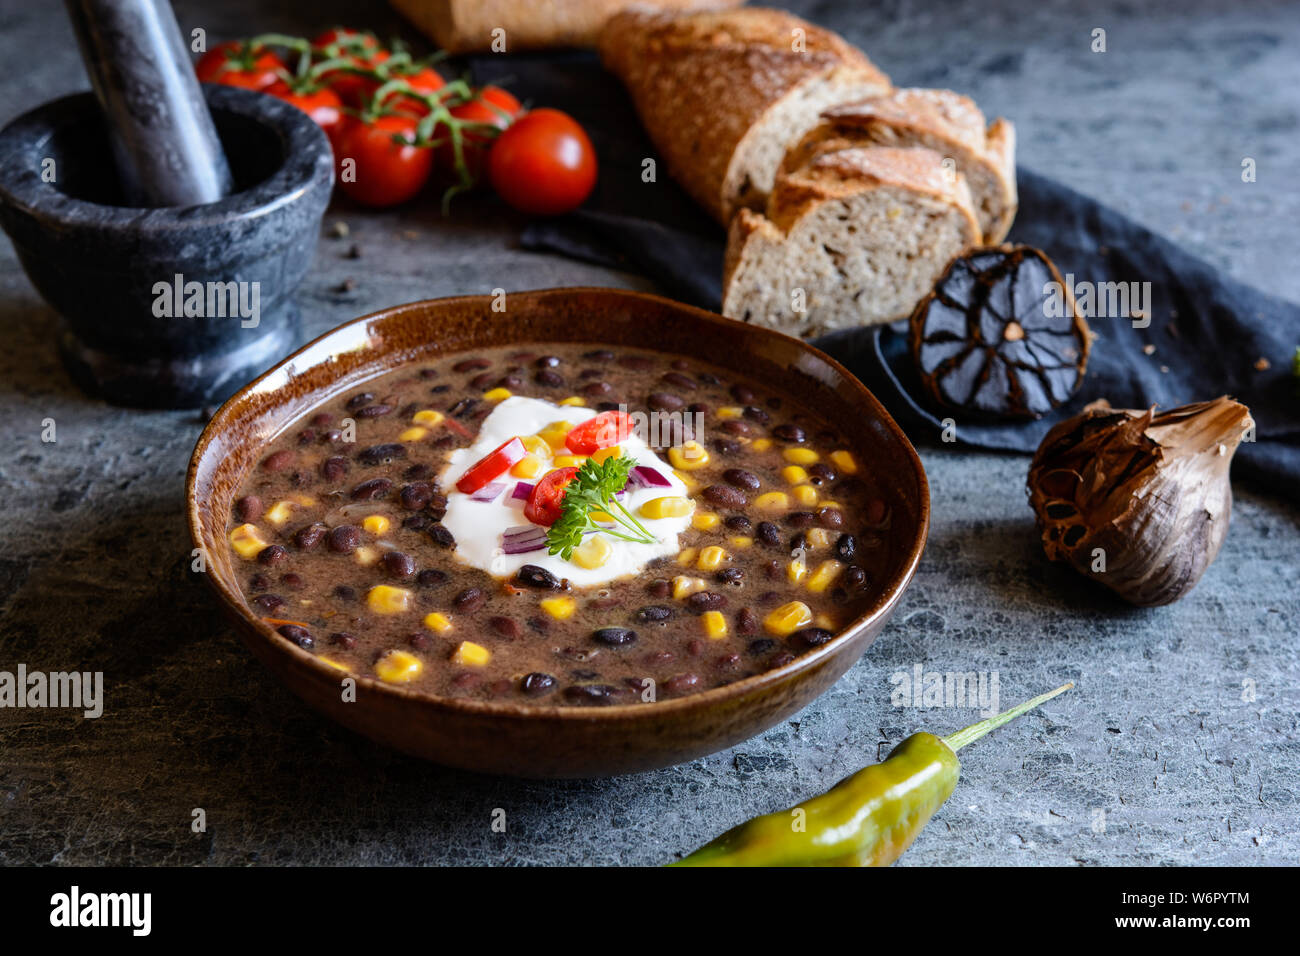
698 408
259 582
462 408
268 602
441 536
306 436
738 523
397 564
820 473
652 614
373 411
614 636
298 635
381 454
344 539
638 363
855 578
504 626
725 446
419 641
724 496
534 576
548 378
735 426
440 389
305 539
597 389
678 380
800 519
743 394
665 401
756 414
416 522
809 637
536 684
607 406
361 398
418 472
293 582
343 639
589 694
680 683
733 576
482 381
322 419
790 433
471 365
547 361
769 534
846 547
709 379
799 541
659 587
372 489
764 645
780 660
599 355
437 506
430 578
428 373
333 469
469 600
345 593
278 461
745 480
702 601
416 495
249 508
830 518
300 478
539 624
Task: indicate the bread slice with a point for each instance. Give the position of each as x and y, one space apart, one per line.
941 120
854 237
723 94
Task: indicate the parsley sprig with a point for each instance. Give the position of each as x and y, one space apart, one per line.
592 490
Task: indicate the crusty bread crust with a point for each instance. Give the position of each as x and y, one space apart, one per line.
941 120
702 82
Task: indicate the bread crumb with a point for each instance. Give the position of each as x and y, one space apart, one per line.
1149 349
1262 364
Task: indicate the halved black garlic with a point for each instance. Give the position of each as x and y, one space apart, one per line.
996 337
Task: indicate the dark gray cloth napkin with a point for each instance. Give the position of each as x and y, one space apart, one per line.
1208 331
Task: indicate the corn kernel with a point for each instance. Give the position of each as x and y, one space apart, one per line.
824 576
398 667
555 433
667 507
598 515
386 599
711 558
800 456
772 501
530 466
366 555
687 557
715 625
794 474
730 411
469 654
281 512
569 461
246 541
414 433
684 586
575 400
600 454
797 569
788 618
688 456
437 621
805 494
827 503
761 444
560 608
376 524
330 662
817 537
593 552
825 622
537 446
741 542
690 483
428 416
497 394
843 460
705 521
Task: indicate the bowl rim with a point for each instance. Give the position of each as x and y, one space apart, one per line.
879 610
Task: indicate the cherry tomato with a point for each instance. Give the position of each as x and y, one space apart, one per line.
359 49
383 172
543 164
424 80
491 466
607 428
322 105
547 497
492 105
230 65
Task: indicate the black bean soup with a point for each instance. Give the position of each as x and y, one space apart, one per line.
340 545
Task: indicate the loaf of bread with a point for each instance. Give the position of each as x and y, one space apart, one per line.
466 26
724 94
941 120
852 237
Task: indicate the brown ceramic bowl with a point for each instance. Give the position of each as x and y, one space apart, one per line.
551 741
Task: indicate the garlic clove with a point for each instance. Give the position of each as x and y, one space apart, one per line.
1138 500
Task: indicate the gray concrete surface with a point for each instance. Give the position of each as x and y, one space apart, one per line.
1157 757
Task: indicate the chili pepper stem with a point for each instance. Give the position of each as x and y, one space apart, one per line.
968 735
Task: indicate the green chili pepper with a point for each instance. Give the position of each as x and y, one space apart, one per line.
867 819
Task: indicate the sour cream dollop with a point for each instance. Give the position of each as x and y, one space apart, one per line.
478 525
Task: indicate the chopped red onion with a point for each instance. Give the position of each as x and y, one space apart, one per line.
522 490
523 538
488 492
643 476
